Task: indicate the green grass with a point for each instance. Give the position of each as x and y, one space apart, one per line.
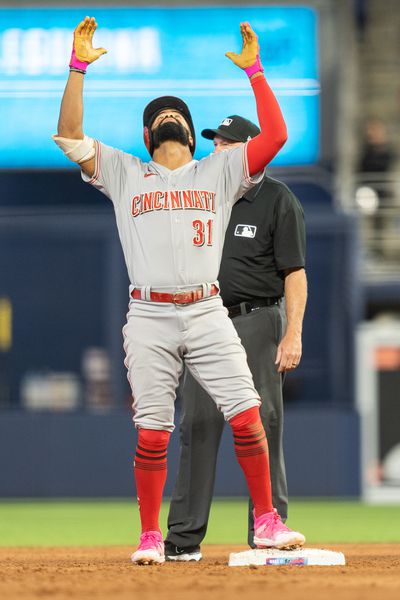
107 522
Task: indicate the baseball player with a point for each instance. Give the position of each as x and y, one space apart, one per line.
262 261
171 214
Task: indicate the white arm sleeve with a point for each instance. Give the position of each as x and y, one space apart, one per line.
76 150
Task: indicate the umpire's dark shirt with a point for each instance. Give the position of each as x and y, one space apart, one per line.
265 236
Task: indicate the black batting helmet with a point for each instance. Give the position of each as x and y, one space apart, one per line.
156 106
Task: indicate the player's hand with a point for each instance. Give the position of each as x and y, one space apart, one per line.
288 355
250 48
83 38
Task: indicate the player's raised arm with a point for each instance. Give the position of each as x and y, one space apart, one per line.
70 137
261 149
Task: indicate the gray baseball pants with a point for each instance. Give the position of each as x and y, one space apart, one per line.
159 337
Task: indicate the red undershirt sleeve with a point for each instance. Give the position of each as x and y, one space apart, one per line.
262 149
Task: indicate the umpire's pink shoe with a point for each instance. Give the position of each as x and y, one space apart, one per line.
270 532
150 550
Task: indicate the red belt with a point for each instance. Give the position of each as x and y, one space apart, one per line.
178 298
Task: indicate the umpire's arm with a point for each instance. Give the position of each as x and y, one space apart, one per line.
290 348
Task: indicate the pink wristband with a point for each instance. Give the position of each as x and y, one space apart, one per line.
75 63
254 68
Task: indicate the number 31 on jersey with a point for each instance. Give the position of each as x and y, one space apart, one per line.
203 232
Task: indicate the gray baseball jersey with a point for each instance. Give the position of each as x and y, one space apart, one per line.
172 226
171 223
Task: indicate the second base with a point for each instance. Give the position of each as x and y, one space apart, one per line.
273 557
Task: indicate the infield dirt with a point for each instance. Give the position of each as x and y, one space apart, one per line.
371 572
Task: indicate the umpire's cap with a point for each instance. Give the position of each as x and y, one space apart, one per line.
159 104
234 128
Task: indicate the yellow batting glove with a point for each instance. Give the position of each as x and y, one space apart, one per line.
249 58
83 52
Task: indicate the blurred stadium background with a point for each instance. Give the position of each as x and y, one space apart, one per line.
65 423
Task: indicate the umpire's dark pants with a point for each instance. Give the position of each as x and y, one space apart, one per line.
202 424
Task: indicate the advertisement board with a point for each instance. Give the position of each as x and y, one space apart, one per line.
153 52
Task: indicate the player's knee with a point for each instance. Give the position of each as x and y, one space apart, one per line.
250 416
153 438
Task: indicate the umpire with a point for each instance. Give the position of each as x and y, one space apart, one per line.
264 287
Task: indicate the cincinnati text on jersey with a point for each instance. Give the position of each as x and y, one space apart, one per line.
173 200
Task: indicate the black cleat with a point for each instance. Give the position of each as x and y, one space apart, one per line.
174 553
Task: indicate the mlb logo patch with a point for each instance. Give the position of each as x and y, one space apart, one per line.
226 122
248 231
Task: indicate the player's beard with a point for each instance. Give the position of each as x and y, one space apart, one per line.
171 131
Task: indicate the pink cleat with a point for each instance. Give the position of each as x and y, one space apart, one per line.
150 550
270 532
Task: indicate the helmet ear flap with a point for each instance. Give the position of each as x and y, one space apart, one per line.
146 137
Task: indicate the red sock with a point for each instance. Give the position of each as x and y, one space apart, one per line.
251 450
150 474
